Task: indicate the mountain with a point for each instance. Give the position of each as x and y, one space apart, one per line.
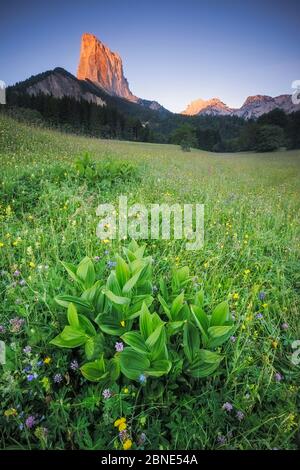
213 107
253 107
59 83
104 68
257 105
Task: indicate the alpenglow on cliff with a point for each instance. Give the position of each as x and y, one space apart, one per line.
102 67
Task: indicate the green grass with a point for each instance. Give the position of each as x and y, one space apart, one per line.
251 245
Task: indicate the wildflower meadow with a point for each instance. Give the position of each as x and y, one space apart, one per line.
141 344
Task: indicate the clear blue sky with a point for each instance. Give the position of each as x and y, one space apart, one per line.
172 51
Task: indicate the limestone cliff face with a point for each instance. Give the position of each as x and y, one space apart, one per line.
102 67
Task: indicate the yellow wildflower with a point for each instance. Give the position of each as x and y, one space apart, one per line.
125 390
1 244
264 305
122 427
47 360
105 241
235 296
274 344
127 444
10 412
32 264
122 323
246 272
119 421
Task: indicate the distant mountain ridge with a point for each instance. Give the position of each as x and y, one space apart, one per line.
253 107
100 80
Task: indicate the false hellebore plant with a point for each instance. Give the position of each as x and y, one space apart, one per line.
178 338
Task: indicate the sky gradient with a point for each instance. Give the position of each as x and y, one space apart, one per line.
172 51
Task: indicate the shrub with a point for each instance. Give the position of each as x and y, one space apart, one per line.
269 138
169 336
109 171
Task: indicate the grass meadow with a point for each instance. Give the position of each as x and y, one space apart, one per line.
250 259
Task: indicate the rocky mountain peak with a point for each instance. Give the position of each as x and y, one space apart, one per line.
103 67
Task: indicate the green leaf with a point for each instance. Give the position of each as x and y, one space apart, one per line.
131 283
86 272
177 305
191 341
72 316
95 371
81 305
122 271
159 368
201 320
199 298
135 340
220 314
112 283
111 324
156 342
70 338
86 325
165 307
174 326
145 322
204 364
133 363
71 270
218 335
89 348
116 299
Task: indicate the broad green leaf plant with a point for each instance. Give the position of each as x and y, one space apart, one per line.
155 334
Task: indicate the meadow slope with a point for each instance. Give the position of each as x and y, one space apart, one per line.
250 258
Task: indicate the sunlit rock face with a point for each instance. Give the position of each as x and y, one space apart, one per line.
253 107
102 67
213 107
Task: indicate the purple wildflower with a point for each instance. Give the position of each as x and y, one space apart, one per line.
111 264
233 339
22 282
96 259
16 273
240 415
142 379
142 438
106 393
221 440
284 326
16 324
30 422
2 329
119 346
74 365
262 295
27 350
31 377
123 435
278 377
58 378
259 316
227 406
